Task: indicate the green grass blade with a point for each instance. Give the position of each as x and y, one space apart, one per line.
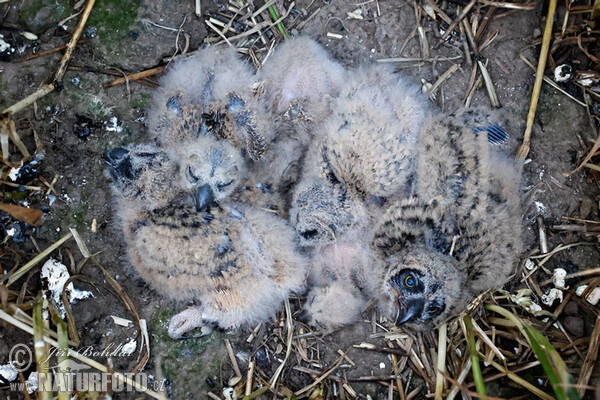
275 17
475 368
42 356
553 365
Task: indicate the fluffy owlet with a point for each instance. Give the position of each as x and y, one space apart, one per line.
460 232
237 261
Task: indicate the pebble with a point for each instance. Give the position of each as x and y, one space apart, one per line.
574 325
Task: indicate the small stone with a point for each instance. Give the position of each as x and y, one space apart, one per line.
587 207
571 308
574 325
593 298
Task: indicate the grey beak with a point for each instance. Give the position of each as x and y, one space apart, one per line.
410 310
203 195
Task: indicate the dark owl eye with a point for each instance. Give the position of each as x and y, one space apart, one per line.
191 174
221 186
434 310
410 281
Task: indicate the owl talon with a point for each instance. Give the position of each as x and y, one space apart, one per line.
187 320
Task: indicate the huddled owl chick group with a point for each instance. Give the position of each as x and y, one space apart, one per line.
307 168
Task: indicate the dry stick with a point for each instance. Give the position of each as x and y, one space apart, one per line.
234 363
134 77
387 350
460 17
553 84
590 359
401 390
513 6
442 78
487 19
537 86
441 364
249 378
25 268
574 275
45 53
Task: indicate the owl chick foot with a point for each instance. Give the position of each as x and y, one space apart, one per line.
332 306
187 320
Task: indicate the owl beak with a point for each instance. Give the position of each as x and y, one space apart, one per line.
413 308
203 195
114 156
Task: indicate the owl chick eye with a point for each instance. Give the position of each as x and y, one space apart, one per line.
192 175
434 310
221 186
410 281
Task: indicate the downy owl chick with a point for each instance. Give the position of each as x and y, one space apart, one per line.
210 94
297 92
460 233
369 141
238 262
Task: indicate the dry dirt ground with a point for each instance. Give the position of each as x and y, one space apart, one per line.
74 126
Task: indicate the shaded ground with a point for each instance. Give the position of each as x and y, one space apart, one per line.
73 127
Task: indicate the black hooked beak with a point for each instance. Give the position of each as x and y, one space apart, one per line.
203 195
408 311
115 155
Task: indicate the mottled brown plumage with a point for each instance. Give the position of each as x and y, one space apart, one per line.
237 261
458 235
210 94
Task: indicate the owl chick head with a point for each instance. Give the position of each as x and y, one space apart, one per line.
212 169
423 287
141 174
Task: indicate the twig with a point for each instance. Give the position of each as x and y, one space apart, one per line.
73 42
537 87
442 79
234 363
134 77
460 17
23 270
387 350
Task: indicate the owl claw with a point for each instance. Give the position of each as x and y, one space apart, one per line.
187 320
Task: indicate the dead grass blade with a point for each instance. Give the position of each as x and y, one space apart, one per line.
537 87
590 359
289 322
553 365
441 361
25 268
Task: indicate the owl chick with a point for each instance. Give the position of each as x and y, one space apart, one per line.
210 94
369 141
365 152
459 234
301 88
238 262
296 92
